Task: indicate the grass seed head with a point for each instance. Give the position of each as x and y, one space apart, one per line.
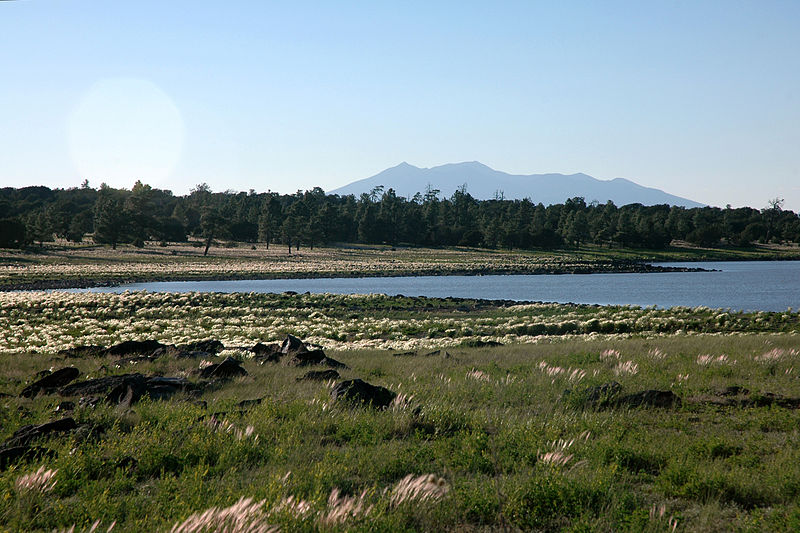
418 488
39 481
245 516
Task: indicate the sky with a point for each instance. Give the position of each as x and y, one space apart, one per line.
697 98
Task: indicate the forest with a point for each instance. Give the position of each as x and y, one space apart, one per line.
32 215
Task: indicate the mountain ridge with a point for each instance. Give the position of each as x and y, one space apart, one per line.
484 182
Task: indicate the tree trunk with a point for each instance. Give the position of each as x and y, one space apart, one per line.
208 245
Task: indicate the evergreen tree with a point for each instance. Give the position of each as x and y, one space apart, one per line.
109 221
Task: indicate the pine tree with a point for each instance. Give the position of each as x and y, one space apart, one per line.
109 221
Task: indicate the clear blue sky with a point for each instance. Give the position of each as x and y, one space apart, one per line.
701 99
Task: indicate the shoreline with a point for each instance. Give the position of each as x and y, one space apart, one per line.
605 267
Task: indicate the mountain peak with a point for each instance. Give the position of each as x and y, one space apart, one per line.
484 182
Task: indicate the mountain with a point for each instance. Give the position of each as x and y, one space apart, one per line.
485 183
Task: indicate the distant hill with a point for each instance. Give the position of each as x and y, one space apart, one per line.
484 183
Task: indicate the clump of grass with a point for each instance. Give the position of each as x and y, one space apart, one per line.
418 489
342 507
40 481
245 516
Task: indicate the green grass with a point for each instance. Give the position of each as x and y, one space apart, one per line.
483 419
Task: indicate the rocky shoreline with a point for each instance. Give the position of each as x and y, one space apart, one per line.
575 267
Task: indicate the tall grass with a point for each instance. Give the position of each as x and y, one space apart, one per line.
487 438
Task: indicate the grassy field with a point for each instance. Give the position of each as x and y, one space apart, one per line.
530 435
61 266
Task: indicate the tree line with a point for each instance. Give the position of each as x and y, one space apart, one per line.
309 218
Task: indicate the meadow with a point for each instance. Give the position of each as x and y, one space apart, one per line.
507 417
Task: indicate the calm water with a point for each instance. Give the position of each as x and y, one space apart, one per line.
740 285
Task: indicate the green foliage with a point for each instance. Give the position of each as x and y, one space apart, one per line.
312 218
484 419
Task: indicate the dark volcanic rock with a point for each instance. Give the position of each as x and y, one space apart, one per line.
404 354
603 393
156 387
99 385
82 351
135 347
362 393
266 349
129 388
314 357
266 353
13 454
306 358
65 406
292 344
56 379
319 375
210 346
26 434
229 368
650 398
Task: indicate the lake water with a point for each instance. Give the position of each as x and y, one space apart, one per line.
739 285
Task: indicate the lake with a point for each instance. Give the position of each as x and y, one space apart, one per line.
738 285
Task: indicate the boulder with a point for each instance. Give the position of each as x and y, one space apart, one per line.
360 392
129 388
82 351
266 353
229 368
319 375
603 393
27 434
404 354
64 407
99 385
156 388
292 344
13 454
306 358
54 380
212 346
135 347
266 349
